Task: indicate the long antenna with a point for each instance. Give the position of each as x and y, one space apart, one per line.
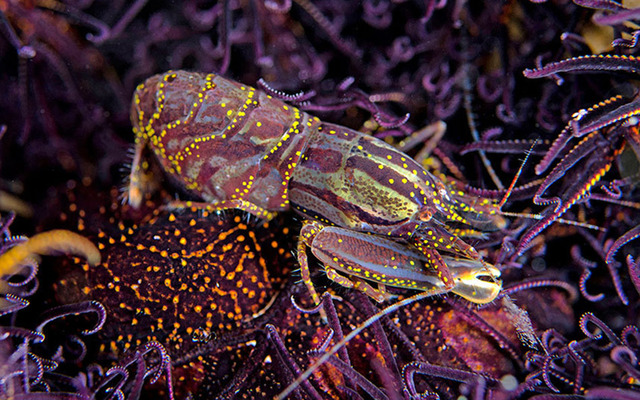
515 178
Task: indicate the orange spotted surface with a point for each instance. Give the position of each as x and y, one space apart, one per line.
181 278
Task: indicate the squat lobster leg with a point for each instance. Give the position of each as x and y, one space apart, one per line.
378 295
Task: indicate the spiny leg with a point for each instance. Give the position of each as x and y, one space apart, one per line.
136 189
435 260
378 295
307 233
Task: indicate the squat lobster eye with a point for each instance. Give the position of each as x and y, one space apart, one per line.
425 214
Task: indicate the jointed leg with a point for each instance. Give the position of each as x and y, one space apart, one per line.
357 284
304 270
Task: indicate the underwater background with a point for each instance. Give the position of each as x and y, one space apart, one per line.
194 304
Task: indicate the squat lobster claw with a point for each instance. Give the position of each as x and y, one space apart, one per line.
372 258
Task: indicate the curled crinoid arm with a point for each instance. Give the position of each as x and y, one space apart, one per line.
601 332
302 378
477 381
48 243
147 362
293 368
102 30
630 235
629 43
296 98
76 309
589 63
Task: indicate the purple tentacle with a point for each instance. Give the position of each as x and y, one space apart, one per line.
630 235
478 381
617 282
295 98
76 309
291 365
612 189
573 293
631 337
477 321
240 379
594 169
27 334
556 147
634 272
381 337
587 266
502 147
348 371
586 274
139 376
633 42
612 393
586 146
588 63
547 366
614 113
589 318
617 18
15 304
580 362
118 374
626 359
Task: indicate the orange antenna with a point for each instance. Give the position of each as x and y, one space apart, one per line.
515 178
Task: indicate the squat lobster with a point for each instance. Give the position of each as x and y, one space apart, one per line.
236 147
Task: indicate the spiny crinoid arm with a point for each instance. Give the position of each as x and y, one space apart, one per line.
593 170
48 243
607 62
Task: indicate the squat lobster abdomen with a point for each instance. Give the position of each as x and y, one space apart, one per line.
221 140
